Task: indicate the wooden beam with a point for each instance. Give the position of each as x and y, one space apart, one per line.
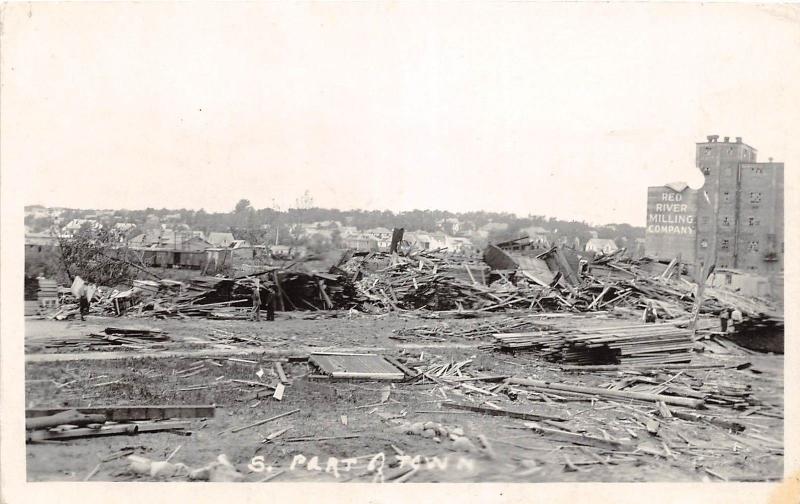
581 439
128 413
110 430
619 394
70 417
281 373
501 412
261 422
639 367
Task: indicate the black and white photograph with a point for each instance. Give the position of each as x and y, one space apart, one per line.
366 244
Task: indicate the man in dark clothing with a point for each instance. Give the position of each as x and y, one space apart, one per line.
83 302
723 320
270 304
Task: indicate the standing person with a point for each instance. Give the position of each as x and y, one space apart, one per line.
649 315
270 304
256 296
83 301
723 320
736 319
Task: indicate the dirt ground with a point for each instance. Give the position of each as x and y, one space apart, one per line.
368 430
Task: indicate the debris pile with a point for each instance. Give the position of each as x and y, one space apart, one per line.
420 280
474 330
549 281
218 297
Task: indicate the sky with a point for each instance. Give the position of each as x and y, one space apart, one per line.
569 110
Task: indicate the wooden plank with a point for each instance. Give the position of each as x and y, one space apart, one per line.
281 373
128 413
727 424
70 417
399 365
323 438
369 366
373 376
110 430
261 422
580 439
622 394
501 412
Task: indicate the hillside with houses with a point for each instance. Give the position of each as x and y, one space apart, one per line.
214 242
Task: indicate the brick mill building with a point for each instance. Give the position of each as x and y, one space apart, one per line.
734 221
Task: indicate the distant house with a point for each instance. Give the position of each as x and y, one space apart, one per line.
147 239
360 242
239 256
124 227
425 241
76 225
601 246
379 233
287 251
237 244
174 251
183 242
459 245
220 239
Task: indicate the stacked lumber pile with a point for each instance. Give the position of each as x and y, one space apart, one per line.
129 336
637 344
